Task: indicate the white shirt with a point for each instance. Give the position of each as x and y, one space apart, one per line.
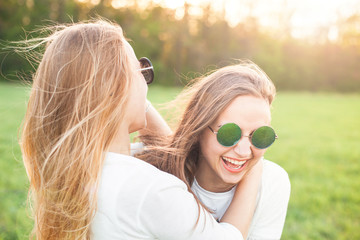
138 201
272 202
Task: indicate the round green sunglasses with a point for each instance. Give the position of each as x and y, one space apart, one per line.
229 134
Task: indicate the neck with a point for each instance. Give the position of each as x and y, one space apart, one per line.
216 188
121 142
210 183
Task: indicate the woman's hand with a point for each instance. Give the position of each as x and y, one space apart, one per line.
242 207
254 175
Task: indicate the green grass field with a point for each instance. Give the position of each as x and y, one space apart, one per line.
318 145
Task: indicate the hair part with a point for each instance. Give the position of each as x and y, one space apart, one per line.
77 98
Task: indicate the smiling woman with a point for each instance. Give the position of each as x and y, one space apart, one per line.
221 167
222 135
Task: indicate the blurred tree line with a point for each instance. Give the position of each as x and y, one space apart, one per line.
181 48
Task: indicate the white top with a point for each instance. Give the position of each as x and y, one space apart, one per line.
138 201
272 202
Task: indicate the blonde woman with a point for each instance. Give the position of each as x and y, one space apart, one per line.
88 93
223 133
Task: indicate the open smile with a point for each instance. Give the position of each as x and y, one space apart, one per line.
234 165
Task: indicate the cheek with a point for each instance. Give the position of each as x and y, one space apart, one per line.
144 87
140 96
210 149
258 153
208 141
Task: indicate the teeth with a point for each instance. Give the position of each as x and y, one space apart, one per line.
239 163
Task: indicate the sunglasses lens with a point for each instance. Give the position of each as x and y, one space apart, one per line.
148 73
263 137
229 134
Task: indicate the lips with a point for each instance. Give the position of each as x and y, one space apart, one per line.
233 165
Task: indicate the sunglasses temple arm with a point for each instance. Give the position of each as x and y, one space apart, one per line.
212 130
147 68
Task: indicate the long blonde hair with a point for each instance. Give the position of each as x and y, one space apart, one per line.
204 99
76 104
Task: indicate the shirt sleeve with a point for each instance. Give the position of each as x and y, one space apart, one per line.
171 212
271 211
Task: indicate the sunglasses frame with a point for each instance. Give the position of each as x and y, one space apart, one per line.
249 136
147 71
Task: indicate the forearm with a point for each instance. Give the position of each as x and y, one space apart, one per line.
242 207
155 123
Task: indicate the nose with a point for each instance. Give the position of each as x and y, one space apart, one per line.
243 147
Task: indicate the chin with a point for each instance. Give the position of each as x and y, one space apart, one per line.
233 180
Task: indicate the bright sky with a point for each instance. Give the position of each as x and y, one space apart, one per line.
305 18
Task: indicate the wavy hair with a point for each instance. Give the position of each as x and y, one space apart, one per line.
204 99
76 103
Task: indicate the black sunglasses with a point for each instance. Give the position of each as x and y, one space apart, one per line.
230 134
147 69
